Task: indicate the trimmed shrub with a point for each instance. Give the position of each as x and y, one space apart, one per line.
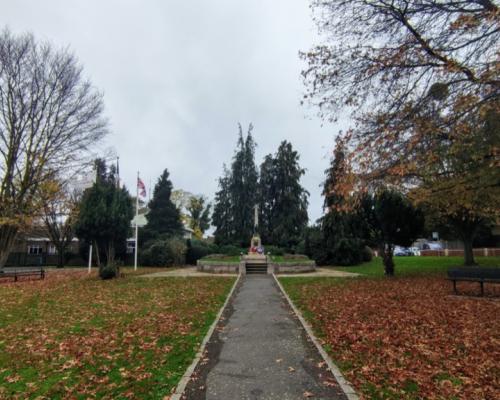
108 271
195 250
165 253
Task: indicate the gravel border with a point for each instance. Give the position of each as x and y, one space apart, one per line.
343 383
181 386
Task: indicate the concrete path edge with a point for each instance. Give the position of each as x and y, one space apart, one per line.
343 383
181 386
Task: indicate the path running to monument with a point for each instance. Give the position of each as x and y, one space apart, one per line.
265 354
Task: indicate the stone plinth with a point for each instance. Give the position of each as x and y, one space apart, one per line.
255 258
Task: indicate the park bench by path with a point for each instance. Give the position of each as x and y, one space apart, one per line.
474 274
16 272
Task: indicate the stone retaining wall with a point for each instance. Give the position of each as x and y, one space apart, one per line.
295 268
218 268
276 268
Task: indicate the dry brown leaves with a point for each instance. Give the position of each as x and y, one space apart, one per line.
410 338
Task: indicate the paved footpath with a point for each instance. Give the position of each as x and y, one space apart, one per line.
265 354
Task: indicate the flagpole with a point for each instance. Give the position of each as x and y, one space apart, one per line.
136 221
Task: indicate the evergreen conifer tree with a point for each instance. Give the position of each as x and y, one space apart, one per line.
104 216
243 188
289 213
341 230
222 216
237 195
163 217
267 196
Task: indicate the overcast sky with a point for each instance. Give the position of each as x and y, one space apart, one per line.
178 76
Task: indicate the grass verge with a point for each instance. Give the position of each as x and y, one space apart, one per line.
77 337
414 266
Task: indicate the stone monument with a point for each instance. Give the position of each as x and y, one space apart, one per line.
255 255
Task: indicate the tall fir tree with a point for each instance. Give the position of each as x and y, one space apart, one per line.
237 196
289 213
163 217
222 215
267 196
334 222
343 232
243 188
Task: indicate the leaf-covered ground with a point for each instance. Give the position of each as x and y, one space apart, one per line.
76 337
407 338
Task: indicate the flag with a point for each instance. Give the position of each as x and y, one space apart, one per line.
141 187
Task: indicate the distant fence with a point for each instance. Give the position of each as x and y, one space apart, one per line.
486 252
45 260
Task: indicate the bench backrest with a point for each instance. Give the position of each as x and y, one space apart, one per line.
10 270
474 272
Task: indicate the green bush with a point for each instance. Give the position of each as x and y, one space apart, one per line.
196 249
314 245
230 250
345 251
165 253
300 248
367 254
274 250
108 271
348 252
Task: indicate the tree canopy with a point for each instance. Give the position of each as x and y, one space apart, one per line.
392 220
199 215
50 116
421 79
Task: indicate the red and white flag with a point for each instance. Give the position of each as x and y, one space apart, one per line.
141 187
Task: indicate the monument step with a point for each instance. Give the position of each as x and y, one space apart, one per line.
256 268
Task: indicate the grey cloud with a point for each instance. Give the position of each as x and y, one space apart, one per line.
179 75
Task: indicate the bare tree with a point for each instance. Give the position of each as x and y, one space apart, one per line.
380 56
50 116
59 215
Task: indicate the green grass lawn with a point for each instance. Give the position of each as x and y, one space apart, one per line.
75 336
221 260
290 259
413 265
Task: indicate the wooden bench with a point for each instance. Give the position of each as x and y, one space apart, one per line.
16 272
474 274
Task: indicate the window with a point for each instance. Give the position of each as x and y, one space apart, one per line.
52 250
35 249
130 247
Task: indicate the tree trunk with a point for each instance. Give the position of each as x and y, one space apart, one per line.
8 235
110 253
468 252
387 260
60 258
97 257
